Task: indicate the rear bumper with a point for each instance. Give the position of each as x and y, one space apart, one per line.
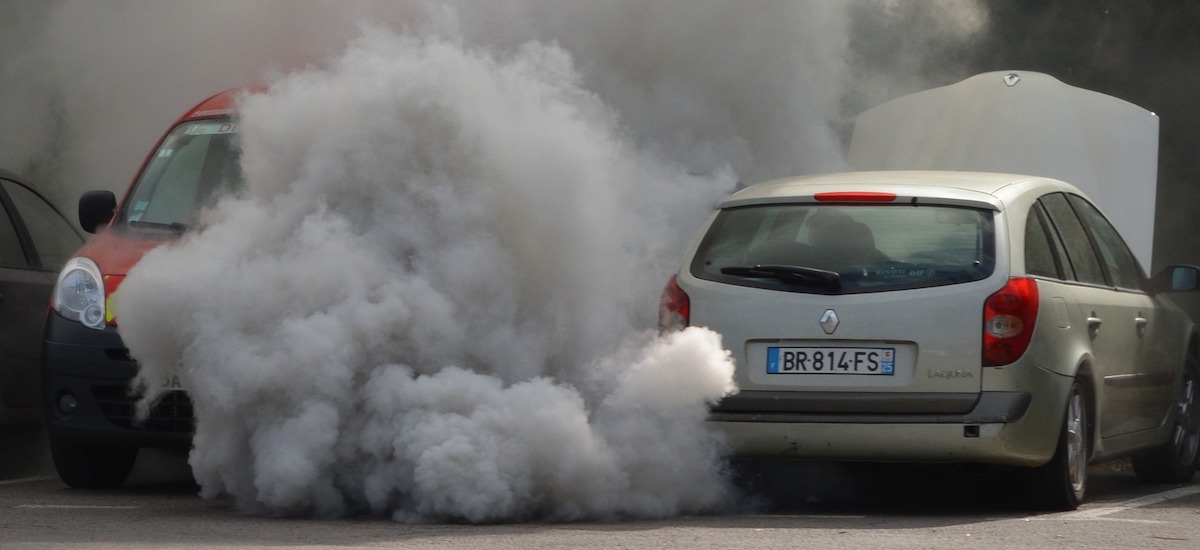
891 408
86 377
1005 428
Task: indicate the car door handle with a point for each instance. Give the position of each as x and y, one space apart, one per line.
1093 324
1140 322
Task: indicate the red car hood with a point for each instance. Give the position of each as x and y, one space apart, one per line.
115 251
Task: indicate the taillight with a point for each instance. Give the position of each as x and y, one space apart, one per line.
1008 319
674 309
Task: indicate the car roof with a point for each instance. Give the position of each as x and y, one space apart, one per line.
978 189
16 178
218 105
12 176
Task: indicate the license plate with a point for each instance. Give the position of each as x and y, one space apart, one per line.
172 382
819 360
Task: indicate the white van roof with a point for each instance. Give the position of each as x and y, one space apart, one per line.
1026 123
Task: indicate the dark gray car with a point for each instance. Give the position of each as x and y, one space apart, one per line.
35 241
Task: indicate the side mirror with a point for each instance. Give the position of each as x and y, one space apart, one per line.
96 209
1177 278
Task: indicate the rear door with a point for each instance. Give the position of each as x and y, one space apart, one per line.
24 292
1146 390
1109 301
34 242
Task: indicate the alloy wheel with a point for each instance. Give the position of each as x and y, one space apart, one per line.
1076 425
1187 419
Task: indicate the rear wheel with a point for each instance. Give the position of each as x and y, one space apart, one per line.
91 467
1061 483
1176 460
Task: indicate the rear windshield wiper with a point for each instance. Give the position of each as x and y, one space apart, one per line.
790 274
173 226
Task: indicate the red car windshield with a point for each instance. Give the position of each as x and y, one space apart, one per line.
195 165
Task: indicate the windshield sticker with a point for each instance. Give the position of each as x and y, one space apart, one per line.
165 153
135 217
212 129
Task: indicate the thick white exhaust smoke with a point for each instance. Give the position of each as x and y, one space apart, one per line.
432 300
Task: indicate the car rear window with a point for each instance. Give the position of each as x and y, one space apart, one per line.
846 249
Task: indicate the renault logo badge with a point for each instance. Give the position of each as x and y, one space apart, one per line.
1011 79
829 321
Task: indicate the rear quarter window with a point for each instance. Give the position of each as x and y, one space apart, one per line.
1040 258
11 252
1080 252
54 238
1122 266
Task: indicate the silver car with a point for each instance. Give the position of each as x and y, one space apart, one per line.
943 317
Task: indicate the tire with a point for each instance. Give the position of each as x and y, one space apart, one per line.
1060 485
1176 460
90 467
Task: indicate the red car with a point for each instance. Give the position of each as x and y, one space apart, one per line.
86 369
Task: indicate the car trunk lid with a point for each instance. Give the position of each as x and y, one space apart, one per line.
855 348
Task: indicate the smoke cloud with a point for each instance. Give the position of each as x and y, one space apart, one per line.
433 298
